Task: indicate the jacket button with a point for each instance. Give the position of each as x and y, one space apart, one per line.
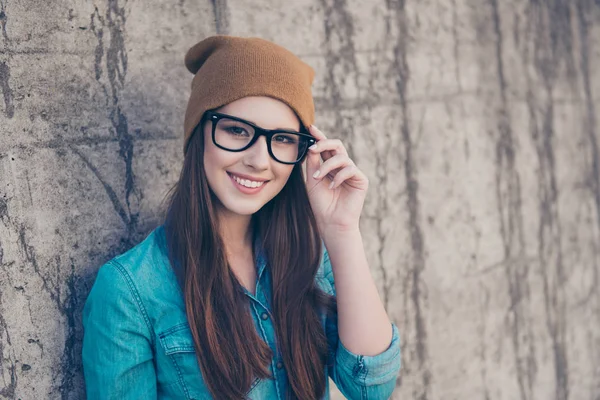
279 365
264 316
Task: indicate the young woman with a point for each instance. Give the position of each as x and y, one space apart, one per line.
256 285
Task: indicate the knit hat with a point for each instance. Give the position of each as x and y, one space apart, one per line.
228 68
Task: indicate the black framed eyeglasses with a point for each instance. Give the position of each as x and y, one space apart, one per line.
236 134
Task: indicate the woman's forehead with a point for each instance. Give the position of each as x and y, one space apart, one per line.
266 112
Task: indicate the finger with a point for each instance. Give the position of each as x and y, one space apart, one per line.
326 153
313 162
328 148
335 162
348 172
317 133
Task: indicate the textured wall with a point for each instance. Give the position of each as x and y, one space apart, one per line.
475 121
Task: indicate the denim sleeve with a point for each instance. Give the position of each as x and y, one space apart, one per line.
360 376
117 340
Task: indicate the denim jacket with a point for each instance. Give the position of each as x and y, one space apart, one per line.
137 342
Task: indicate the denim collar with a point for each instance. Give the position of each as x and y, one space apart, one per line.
260 259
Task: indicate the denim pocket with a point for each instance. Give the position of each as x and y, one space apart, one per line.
178 345
177 339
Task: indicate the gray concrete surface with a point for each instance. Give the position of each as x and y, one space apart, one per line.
475 121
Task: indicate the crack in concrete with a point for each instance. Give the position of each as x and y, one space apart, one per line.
70 361
3 213
99 51
482 330
70 364
114 198
583 10
9 109
3 21
508 194
415 281
8 391
60 143
590 122
550 28
116 69
221 11
340 56
116 54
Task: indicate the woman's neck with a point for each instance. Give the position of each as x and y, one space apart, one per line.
236 231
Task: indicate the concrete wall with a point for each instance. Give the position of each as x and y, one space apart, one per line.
475 121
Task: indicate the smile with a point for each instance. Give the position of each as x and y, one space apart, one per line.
246 185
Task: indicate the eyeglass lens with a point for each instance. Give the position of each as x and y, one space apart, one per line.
235 135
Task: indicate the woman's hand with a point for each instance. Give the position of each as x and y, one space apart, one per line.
336 188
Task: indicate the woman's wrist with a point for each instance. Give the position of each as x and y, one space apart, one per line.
336 236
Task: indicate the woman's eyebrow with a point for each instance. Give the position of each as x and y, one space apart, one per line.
297 130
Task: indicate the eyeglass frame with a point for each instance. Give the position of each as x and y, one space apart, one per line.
214 117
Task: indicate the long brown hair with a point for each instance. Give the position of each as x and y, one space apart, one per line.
230 352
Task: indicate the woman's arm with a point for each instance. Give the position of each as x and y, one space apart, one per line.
363 323
359 376
117 351
366 344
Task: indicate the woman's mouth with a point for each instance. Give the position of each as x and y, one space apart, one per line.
247 186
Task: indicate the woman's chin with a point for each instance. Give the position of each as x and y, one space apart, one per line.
243 209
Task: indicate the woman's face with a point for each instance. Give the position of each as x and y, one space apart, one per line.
224 169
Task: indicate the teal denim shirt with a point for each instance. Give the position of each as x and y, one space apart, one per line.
137 343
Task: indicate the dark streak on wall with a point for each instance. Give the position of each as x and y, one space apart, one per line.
7 361
116 65
66 304
340 61
583 13
3 21
99 52
549 31
508 193
113 197
221 16
116 70
584 9
9 109
71 365
483 333
415 281
3 212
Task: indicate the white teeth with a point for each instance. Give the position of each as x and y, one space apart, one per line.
248 183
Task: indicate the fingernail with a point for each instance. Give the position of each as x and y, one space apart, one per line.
331 185
314 126
314 146
316 174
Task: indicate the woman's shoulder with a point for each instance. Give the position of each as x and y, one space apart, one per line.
145 268
146 257
140 285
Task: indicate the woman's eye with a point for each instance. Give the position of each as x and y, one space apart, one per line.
285 139
236 130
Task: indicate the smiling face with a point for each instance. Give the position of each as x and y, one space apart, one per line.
247 180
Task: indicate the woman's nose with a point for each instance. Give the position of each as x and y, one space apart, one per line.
257 156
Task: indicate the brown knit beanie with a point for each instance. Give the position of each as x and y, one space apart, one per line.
228 68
